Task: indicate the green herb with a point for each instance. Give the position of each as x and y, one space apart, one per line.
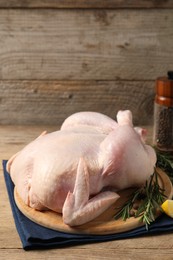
165 162
144 202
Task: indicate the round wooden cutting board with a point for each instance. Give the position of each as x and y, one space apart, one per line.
104 224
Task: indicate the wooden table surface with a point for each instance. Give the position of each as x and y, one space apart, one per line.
12 139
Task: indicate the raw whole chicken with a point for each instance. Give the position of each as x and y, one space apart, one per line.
72 171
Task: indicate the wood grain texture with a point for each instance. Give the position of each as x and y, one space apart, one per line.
95 252
50 102
155 247
86 4
85 44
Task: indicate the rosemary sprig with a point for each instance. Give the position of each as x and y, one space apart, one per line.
165 162
144 202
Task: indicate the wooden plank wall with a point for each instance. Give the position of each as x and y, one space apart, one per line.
60 57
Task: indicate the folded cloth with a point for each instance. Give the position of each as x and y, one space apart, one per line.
34 236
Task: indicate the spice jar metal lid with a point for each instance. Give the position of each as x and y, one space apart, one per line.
164 90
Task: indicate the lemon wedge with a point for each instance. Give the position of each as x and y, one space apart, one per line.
167 207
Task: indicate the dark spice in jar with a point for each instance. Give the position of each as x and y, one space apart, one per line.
163 113
165 128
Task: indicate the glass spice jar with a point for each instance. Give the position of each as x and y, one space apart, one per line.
163 113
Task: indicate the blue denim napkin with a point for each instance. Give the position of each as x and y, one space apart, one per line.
34 236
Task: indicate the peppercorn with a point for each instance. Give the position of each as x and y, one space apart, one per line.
163 113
